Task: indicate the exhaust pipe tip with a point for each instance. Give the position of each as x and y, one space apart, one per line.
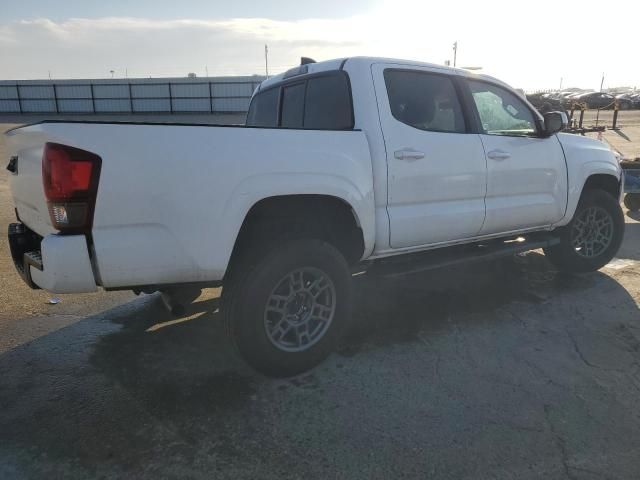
172 304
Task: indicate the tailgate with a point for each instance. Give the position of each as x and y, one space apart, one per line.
25 179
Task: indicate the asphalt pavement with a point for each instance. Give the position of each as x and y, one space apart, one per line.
502 370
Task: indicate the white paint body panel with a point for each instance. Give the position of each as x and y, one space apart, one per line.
585 157
440 197
528 189
67 265
171 199
27 187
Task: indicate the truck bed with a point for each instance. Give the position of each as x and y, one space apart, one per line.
172 197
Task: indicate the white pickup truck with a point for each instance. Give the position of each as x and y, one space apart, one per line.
353 164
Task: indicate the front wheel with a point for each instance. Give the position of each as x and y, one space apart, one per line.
632 201
286 310
592 237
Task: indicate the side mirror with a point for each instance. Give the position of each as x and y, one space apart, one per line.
554 122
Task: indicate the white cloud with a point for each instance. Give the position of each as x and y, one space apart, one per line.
526 48
92 47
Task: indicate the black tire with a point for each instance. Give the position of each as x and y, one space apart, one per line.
252 283
566 257
632 201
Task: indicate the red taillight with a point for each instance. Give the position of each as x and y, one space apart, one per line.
70 177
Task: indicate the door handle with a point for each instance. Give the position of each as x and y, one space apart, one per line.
498 155
408 154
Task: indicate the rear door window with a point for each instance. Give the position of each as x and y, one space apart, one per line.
424 100
328 103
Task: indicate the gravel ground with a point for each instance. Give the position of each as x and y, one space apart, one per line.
503 370
626 118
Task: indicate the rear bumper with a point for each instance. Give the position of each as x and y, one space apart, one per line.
57 263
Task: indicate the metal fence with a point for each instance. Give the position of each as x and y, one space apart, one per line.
135 96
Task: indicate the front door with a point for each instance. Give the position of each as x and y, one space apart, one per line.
436 170
526 173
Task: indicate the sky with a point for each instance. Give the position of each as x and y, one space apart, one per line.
531 45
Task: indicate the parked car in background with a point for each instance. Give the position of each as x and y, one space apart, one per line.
595 99
625 102
573 95
546 102
567 93
568 98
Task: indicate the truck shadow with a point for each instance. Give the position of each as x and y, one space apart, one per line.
398 310
195 348
387 311
630 248
116 375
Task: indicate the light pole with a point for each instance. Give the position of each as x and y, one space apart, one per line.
266 61
455 52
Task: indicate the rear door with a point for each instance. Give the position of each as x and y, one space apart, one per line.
527 174
436 167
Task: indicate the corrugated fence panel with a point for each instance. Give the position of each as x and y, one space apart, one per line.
151 98
191 104
8 92
37 91
232 90
150 91
119 91
38 106
112 98
9 106
112 105
73 91
160 105
190 97
75 106
230 104
216 94
190 90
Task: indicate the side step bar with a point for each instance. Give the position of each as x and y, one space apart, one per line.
448 256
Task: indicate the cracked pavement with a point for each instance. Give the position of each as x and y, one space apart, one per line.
502 370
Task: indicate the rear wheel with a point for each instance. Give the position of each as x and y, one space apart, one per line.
285 310
592 237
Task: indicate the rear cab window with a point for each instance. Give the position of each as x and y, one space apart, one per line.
292 109
319 101
264 109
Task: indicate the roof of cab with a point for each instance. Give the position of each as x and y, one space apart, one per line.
338 63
